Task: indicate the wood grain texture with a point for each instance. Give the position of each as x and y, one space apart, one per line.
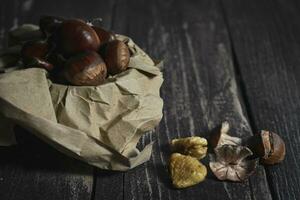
33 170
265 36
199 92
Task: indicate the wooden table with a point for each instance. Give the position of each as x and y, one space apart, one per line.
232 60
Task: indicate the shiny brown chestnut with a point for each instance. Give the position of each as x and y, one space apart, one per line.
268 146
41 63
104 35
86 68
116 57
37 49
49 24
34 54
75 36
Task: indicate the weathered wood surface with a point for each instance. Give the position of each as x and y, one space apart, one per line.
265 37
224 60
32 171
199 92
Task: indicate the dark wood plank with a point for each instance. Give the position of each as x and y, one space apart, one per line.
108 185
266 42
199 92
33 170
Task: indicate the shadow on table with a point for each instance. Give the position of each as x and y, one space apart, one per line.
162 168
33 154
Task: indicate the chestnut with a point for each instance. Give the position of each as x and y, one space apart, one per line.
37 62
116 57
86 68
268 146
75 36
49 24
34 53
37 49
104 35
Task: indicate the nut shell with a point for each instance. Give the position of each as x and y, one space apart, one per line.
34 54
76 36
231 162
40 63
38 49
268 146
220 137
104 35
86 68
116 57
277 148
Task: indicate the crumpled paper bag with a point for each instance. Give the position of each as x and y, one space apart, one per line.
100 125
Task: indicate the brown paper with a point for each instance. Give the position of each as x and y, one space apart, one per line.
100 125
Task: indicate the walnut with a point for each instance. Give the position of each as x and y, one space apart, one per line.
193 146
186 171
230 163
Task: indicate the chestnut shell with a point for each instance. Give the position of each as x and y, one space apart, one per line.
76 36
38 49
34 54
116 57
86 68
277 153
41 63
104 35
268 146
219 136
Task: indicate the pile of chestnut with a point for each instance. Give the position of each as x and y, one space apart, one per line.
76 52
